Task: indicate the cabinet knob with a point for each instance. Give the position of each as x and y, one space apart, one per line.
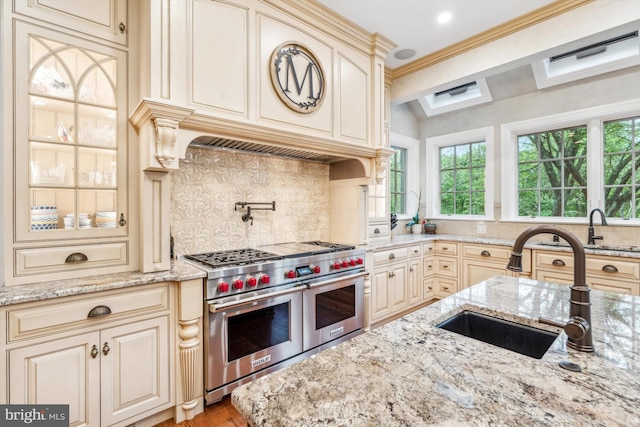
392 274
122 27
558 263
610 268
485 253
392 256
105 348
430 287
99 311
122 221
411 269
94 351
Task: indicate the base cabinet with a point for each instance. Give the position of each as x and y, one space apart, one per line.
611 274
105 377
111 371
480 262
389 291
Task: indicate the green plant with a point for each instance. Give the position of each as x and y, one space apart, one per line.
416 217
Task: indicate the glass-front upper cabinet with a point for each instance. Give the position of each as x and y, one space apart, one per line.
70 163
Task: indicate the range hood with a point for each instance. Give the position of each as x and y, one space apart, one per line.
256 148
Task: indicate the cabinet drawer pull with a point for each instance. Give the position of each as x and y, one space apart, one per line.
610 268
94 351
376 231
445 266
485 253
99 311
558 263
392 274
105 348
76 257
122 221
445 248
122 27
416 251
392 256
446 288
411 269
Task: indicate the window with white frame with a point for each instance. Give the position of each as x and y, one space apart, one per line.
552 173
567 164
460 177
398 181
403 175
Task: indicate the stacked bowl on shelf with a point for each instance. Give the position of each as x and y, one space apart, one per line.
44 218
106 219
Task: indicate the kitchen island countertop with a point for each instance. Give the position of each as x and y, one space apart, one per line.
410 373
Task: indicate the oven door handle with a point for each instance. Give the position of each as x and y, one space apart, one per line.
217 306
334 279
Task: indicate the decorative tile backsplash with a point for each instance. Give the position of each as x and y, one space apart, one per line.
208 184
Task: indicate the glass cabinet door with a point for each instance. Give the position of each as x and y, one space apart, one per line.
70 171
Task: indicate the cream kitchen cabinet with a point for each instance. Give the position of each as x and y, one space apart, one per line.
613 274
389 293
479 262
446 268
113 369
106 19
70 165
428 285
415 277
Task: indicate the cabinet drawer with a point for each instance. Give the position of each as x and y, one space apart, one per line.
378 230
446 267
415 251
53 260
558 261
428 248
446 248
51 317
390 255
427 266
445 287
490 253
612 267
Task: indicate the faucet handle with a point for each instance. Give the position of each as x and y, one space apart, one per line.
576 328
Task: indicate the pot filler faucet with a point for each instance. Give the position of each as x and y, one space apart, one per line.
578 327
592 238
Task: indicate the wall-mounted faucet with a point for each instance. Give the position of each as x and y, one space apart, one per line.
578 327
247 215
591 240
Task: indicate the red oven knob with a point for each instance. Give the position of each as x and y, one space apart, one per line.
316 269
336 266
359 261
345 263
352 262
238 284
223 287
252 282
264 279
290 274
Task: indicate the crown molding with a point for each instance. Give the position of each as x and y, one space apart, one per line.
532 18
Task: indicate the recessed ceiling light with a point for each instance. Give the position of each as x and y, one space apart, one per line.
405 54
444 17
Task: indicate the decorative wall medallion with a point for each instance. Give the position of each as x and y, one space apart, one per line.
297 77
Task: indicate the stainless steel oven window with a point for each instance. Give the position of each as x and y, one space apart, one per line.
335 306
257 330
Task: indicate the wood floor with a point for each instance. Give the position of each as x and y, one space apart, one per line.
221 414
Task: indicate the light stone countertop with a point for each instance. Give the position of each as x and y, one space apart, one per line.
410 373
405 239
180 271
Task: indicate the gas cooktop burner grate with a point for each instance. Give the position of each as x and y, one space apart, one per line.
233 257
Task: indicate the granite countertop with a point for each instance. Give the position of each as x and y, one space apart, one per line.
405 239
410 373
179 271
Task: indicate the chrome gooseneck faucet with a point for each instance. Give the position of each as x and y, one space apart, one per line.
591 240
578 327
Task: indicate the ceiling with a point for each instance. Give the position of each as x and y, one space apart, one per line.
413 24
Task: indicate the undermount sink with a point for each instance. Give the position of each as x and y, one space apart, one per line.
512 336
596 247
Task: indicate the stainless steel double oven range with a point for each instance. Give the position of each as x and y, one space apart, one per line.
268 307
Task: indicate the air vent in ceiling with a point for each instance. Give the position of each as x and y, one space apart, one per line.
610 54
456 97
